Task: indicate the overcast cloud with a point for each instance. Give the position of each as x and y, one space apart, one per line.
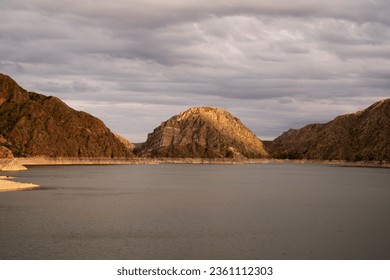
274 64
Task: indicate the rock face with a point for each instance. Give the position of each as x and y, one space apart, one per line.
130 146
5 153
363 136
202 132
32 124
8 162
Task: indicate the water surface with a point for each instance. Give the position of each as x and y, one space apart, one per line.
179 211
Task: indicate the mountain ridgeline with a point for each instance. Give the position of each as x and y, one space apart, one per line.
362 136
33 124
202 132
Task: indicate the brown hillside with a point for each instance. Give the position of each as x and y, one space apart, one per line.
364 135
33 124
203 132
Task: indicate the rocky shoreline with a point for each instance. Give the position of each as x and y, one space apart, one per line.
138 160
10 164
16 164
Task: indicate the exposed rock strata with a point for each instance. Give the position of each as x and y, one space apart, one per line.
202 132
32 124
363 136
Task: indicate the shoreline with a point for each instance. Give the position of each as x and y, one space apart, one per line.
36 161
6 185
9 186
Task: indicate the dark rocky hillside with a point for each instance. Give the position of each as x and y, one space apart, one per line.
33 124
362 136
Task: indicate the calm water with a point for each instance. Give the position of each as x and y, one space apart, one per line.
265 211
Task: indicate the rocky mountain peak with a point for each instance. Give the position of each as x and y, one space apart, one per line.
203 132
207 112
33 124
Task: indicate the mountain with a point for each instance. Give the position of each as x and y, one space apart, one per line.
33 124
202 132
362 136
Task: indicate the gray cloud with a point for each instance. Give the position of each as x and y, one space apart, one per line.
275 64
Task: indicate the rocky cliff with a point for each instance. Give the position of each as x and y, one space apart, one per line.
202 132
33 124
363 136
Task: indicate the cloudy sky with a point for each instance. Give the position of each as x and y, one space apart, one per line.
275 64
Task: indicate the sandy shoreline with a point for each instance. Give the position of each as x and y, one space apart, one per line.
126 161
7 186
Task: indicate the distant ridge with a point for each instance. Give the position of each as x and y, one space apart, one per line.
33 124
362 136
202 132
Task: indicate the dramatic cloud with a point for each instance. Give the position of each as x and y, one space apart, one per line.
274 64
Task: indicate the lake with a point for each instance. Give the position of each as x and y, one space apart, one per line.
184 211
